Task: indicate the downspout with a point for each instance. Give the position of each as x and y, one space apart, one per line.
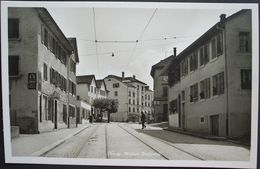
226 77
68 118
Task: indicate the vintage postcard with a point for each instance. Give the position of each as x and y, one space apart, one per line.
130 83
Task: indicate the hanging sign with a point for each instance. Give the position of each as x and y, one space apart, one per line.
32 81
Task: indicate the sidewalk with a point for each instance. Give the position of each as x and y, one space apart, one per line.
241 141
37 144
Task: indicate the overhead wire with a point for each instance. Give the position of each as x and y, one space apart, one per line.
141 35
95 33
129 50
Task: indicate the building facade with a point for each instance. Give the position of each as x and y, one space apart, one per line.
38 71
210 81
160 87
89 89
132 95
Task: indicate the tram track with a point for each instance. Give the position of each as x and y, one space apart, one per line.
143 142
163 142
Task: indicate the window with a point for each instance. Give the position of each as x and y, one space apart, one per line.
165 78
133 109
194 61
71 111
244 42
46 39
133 94
194 93
137 87
202 119
218 84
184 67
72 63
183 95
129 94
165 91
13 28
45 68
13 65
116 94
213 49
201 56
205 89
64 113
129 109
148 97
115 85
173 106
245 78
219 44
91 89
133 101
129 101
206 53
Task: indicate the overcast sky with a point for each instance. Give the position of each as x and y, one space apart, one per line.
181 26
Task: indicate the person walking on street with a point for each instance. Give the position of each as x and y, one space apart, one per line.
143 120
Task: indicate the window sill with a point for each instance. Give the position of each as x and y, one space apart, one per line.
16 77
14 39
202 66
213 60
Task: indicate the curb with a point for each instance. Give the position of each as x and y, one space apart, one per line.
196 135
48 148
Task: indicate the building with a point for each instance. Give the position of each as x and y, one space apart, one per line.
89 89
73 107
210 80
160 87
39 57
132 95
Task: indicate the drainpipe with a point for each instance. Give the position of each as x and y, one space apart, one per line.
226 79
68 69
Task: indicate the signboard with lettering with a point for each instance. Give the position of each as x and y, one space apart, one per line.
32 81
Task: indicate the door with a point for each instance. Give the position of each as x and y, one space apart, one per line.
214 125
78 116
179 109
183 115
55 115
165 112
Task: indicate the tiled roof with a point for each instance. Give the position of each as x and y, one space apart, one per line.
85 79
128 79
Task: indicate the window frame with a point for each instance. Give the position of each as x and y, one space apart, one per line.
246 79
11 27
10 65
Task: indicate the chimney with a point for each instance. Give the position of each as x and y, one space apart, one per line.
134 77
174 51
123 75
222 17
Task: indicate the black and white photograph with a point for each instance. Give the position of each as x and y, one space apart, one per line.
130 83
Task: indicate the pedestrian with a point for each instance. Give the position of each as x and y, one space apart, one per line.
143 120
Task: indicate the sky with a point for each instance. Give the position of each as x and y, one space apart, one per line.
116 30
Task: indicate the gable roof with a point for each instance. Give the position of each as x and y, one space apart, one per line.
86 79
99 83
125 80
161 64
47 18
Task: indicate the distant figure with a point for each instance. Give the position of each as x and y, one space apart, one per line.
143 120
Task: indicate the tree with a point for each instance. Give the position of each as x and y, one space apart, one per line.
106 104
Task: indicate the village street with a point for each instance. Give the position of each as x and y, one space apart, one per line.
128 141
